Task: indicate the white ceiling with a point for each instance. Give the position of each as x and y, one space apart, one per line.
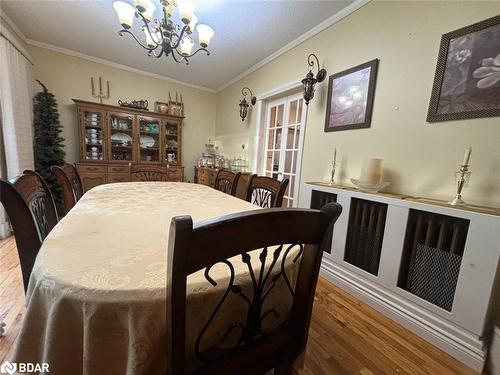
246 32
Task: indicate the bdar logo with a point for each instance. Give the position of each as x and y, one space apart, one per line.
8 368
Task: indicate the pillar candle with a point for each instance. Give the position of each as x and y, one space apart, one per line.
371 171
468 151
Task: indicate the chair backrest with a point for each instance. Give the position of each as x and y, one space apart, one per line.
148 173
266 192
227 181
32 214
70 182
278 236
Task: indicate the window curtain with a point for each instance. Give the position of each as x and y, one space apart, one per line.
16 138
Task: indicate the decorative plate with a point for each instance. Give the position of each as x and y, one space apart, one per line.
369 187
147 141
121 137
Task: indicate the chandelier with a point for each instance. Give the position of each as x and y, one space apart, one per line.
164 36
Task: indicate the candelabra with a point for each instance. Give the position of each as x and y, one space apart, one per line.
462 177
332 174
100 96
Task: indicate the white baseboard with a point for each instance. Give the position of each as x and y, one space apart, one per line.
459 343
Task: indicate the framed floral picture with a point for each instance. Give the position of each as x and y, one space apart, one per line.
467 80
350 97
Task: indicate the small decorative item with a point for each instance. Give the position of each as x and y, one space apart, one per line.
370 180
137 104
176 107
161 107
467 80
101 96
334 163
309 81
244 104
350 97
463 177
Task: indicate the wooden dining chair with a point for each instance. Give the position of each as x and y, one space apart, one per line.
227 181
70 182
274 234
148 173
266 192
32 214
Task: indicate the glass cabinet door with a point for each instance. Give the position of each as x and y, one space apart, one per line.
172 142
93 135
149 139
121 137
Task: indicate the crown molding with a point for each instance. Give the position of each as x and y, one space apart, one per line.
351 8
12 25
112 64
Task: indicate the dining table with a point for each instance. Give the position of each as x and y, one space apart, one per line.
96 300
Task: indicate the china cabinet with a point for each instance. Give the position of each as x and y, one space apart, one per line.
113 138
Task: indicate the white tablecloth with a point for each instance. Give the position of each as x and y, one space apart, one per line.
96 298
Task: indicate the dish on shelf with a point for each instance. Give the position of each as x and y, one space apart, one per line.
369 187
147 141
121 138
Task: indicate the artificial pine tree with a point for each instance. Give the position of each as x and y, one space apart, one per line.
48 143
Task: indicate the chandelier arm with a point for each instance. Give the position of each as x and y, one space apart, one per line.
182 57
179 37
194 53
310 61
248 91
146 24
137 40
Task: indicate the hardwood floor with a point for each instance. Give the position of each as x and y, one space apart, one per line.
346 335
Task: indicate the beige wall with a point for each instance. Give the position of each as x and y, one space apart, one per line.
68 77
419 158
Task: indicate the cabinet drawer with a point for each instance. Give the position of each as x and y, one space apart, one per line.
92 168
89 180
117 169
175 174
118 177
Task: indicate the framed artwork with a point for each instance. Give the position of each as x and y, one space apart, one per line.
161 107
350 97
467 80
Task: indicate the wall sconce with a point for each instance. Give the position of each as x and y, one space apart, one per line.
309 81
244 104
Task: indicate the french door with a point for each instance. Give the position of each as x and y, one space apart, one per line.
283 147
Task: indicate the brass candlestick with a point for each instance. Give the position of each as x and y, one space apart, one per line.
462 176
101 96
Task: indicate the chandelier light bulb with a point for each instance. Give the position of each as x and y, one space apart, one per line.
125 13
205 34
186 9
153 38
186 46
149 13
192 24
141 5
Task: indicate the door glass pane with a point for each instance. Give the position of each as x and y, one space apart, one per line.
299 118
288 161
276 161
121 137
171 142
289 137
93 123
272 117
294 168
292 114
279 120
269 161
270 140
297 137
277 144
149 140
290 202
292 185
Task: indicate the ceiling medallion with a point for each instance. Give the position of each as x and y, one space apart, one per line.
164 36
309 81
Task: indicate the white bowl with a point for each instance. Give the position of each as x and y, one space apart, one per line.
369 187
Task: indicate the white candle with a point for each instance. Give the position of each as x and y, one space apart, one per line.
468 151
371 171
